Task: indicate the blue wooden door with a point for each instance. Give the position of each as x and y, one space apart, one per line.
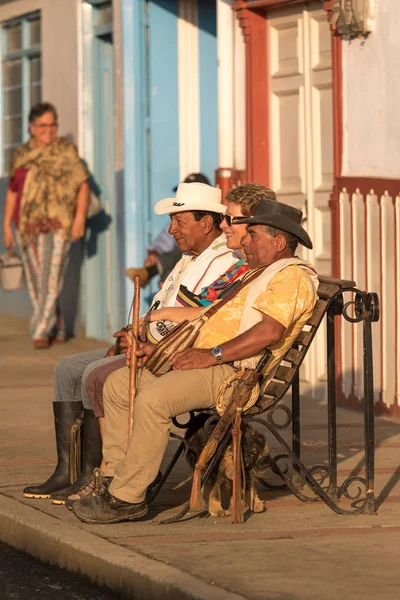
102 272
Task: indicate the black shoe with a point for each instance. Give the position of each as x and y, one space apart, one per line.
98 483
91 458
65 415
108 509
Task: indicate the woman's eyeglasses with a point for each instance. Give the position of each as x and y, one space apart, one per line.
230 220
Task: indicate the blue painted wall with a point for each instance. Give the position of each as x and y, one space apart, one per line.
207 20
163 96
135 176
151 136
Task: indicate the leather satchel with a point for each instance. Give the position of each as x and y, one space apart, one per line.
183 335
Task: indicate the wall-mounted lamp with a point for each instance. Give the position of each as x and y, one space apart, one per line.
353 18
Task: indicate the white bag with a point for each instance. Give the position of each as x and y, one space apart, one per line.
12 273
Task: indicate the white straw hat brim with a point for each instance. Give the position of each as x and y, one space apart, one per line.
169 206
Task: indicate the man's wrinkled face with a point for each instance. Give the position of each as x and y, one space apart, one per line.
261 248
189 234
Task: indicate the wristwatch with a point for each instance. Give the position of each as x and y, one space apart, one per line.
217 353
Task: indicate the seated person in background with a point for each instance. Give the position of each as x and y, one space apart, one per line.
195 223
163 253
269 312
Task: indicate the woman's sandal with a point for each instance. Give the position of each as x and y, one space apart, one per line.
41 343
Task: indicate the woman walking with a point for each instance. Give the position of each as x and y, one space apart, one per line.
47 199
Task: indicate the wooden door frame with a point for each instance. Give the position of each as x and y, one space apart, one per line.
253 20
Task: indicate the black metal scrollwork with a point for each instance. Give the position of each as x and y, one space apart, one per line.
366 307
321 473
271 416
317 482
355 493
321 479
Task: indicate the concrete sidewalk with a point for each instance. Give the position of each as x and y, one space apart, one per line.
293 551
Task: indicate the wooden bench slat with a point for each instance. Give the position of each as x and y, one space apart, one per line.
340 283
276 388
263 403
304 338
326 291
285 373
318 313
294 356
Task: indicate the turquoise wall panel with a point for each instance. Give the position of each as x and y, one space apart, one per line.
164 108
135 176
102 268
207 20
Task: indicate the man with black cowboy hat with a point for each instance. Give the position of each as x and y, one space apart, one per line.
268 313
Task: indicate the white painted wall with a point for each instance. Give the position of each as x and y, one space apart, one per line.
188 88
371 98
59 55
225 41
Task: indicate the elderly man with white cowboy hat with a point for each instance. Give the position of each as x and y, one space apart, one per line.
267 313
196 213
195 217
163 253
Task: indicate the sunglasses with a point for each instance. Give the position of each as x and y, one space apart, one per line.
233 220
44 126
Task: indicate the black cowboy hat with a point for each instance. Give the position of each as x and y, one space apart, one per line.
278 215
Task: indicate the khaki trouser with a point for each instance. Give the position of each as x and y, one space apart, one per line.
135 465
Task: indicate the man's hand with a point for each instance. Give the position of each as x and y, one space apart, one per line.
193 358
111 351
151 259
125 340
144 351
8 237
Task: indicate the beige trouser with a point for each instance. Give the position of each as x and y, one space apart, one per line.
135 465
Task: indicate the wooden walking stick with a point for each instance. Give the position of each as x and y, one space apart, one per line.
133 359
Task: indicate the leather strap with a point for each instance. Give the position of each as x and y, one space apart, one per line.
245 281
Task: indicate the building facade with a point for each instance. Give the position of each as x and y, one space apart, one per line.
248 90
321 129
135 86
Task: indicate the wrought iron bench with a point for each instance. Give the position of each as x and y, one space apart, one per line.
321 478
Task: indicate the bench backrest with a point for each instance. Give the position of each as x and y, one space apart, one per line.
293 358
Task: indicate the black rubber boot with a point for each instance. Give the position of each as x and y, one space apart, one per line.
91 457
65 415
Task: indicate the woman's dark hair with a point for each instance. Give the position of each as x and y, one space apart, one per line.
38 110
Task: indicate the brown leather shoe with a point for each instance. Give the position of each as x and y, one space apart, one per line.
143 274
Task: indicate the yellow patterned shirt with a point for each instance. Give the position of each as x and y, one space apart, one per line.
289 299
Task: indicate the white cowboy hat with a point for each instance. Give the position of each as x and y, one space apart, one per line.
192 196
